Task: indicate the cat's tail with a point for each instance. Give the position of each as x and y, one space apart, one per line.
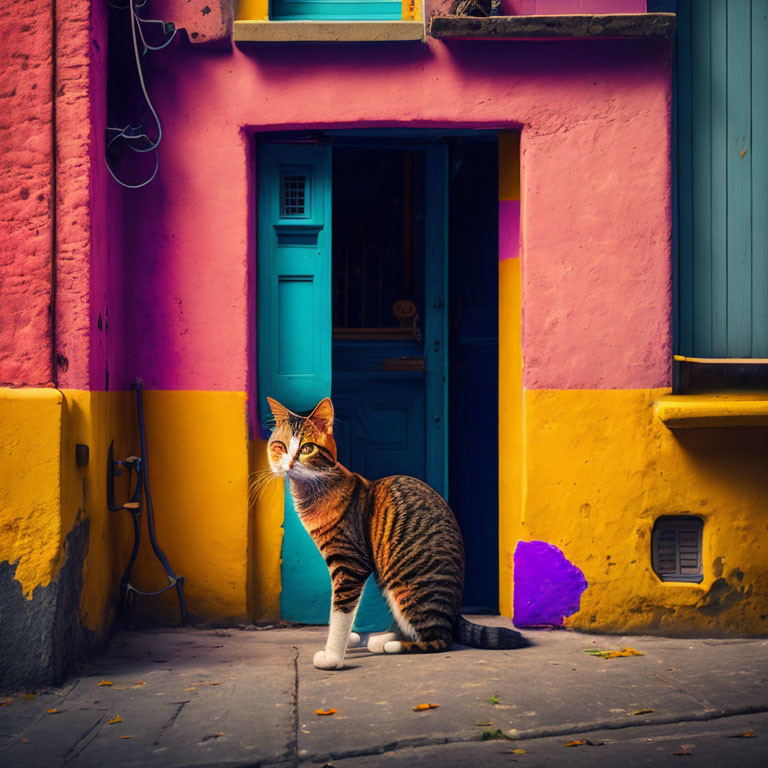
479 636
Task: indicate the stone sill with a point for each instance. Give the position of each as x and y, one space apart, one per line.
725 409
571 27
328 31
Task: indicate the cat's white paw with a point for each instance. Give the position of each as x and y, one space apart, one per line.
327 660
354 640
376 643
393 646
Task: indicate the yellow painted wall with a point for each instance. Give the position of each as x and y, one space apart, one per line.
267 502
93 419
30 485
510 426
600 468
198 470
199 456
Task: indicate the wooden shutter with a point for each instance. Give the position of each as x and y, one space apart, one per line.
723 178
294 274
676 549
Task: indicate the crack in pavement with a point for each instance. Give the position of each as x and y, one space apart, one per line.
85 739
293 747
566 729
171 720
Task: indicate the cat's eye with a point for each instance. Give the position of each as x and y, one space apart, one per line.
307 448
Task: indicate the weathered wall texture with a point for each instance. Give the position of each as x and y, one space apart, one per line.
26 188
57 544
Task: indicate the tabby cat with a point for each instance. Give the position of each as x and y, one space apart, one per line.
397 528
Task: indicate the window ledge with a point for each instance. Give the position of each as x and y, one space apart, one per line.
327 31
724 409
577 26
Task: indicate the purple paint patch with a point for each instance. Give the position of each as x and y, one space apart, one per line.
547 586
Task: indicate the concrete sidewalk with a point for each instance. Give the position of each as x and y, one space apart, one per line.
187 697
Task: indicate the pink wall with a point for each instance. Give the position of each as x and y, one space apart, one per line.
595 194
53 247
26 168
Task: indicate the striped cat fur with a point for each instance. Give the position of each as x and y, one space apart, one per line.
397 528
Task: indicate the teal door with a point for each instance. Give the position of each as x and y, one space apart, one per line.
389 393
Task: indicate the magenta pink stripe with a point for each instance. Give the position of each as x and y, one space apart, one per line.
509 229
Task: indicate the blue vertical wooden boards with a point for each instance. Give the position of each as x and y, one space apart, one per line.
723 179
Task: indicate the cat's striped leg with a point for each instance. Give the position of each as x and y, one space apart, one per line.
344 605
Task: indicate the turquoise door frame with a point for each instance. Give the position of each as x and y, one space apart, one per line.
295 334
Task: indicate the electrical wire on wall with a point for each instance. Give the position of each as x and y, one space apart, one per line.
138 137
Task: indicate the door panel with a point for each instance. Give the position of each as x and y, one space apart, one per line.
295 332
294 274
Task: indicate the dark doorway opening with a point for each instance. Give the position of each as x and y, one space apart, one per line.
473 360
379 257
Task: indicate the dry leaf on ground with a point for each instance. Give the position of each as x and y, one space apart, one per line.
115 719
424 707
576 743
52 711
105 682
324 712
126 737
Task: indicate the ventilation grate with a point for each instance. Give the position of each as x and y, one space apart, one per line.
676 549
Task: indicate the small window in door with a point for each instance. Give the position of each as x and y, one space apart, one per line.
676 549
294 193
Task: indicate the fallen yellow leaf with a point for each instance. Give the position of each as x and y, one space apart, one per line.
576 743
126 737
106 682
488 722
191 688
644 711
324 712
423 707
52 711
115 719
519 752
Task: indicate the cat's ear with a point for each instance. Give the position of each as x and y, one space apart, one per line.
280 412
322 416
